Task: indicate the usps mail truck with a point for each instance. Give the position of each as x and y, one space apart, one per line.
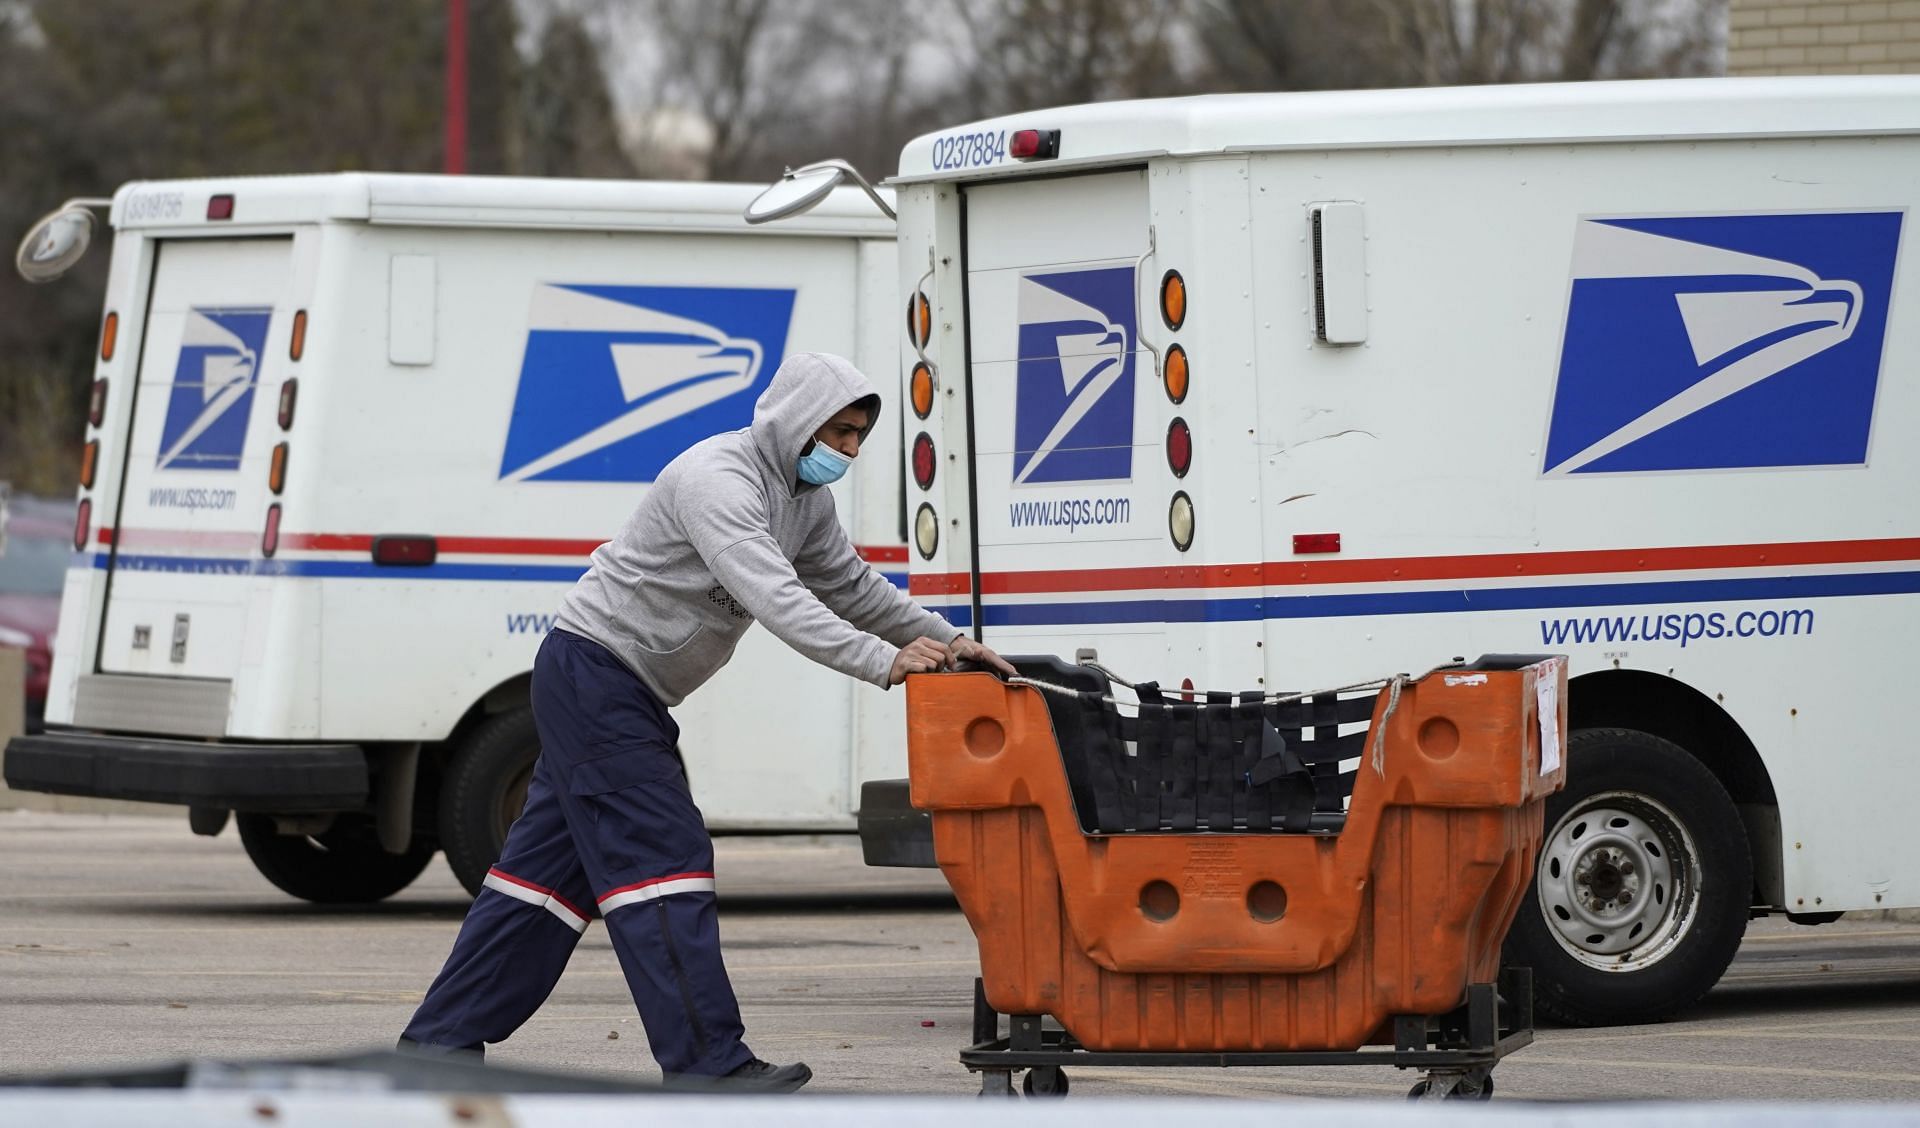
352 437
1293 390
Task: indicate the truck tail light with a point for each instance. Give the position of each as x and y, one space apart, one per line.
298 343
82 524
89 460
277 470
220 207
920 318
1179 447
1173 299
926 531
289 392
109 335
270 536
1034 144
405 551
1316 542
920 388
1174 373
97 402
923 461
1180 521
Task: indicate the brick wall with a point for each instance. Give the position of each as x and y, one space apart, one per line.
1823 37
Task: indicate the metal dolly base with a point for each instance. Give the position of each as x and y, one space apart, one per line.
1456 1051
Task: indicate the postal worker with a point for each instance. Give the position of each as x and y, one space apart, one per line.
737 529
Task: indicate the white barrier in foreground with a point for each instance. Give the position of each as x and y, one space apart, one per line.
70 1108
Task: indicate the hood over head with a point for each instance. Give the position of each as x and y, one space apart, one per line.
808 390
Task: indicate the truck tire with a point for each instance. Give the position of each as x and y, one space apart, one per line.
345 864
1643 884
483 791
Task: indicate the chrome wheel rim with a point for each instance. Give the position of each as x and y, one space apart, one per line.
1619 881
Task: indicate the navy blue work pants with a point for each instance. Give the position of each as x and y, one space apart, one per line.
609 829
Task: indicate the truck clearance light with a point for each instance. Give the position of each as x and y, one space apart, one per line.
920 387
1179 447
270 537
405 551
923 461
289 392
1174 373
220 207
109 335
1034 144
1180 521
926 531
277 470
89 459
1316 542
920 318
298 344
97 402
1173 299
82 524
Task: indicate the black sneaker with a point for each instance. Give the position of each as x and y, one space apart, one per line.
755 1076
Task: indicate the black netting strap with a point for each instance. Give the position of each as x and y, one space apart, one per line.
1180 805
1218 752
1105 784
1149 760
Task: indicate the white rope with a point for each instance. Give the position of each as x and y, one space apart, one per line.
1393 684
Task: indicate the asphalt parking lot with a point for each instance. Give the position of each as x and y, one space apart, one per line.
128 940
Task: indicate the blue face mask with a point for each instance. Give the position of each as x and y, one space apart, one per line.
823 464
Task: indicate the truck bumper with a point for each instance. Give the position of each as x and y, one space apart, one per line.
236 777
892 833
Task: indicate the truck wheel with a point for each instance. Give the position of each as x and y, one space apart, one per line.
483 791
1643 884
342 865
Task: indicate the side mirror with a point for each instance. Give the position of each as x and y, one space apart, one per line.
802 189
57 242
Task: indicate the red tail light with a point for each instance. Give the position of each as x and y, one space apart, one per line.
923 461
97 402
220 207
82 524
1316 542
270 539
405 552
1034 144
1179 447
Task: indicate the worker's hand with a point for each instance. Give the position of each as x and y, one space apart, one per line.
921 656
965 649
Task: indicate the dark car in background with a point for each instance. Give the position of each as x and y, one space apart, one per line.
33 564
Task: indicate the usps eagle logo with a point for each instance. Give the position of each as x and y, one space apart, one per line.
1722 342
618 380
1073 402
219 366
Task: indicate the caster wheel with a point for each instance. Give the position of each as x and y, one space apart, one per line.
1468 1089
1044 1081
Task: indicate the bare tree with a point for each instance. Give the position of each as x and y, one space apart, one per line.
1332 44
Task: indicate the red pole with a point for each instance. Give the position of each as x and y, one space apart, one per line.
456 107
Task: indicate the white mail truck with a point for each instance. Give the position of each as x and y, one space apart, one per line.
351 439
1292 390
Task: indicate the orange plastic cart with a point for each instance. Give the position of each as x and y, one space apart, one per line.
1241 879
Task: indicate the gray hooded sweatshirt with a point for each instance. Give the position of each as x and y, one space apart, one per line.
729 534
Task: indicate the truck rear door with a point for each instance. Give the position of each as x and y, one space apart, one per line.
1058 381
195 495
